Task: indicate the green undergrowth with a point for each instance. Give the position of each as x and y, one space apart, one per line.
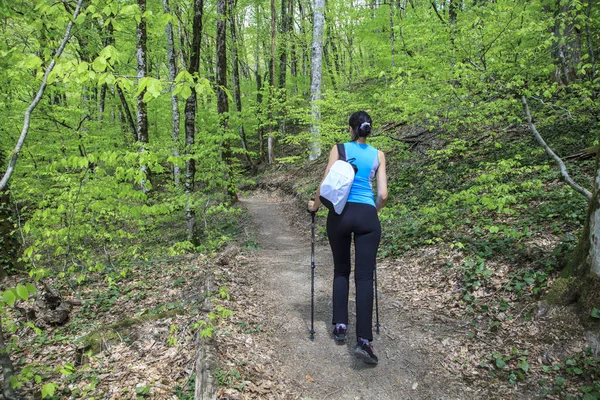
500 200
123 276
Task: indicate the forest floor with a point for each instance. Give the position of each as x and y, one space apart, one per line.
429 348
433 345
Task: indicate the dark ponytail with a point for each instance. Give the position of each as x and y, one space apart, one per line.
360 122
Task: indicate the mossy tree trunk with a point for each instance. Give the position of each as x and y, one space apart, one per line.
586 259
580 280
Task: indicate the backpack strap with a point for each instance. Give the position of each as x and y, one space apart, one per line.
342 156
341 151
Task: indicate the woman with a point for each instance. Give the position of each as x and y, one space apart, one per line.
359 217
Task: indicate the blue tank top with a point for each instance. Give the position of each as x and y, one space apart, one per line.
367 160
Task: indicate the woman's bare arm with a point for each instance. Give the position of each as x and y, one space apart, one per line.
382 192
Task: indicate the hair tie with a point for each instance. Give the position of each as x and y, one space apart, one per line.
362 126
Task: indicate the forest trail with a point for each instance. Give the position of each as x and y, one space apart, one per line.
321 369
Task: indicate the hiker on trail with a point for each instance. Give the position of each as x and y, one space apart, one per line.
359 217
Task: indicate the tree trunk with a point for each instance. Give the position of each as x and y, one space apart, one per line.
175 116
392 33
190 121
568 47
235 72
590 47
127 112
222 101
270 140
328 63
586 258
142 113
283 42
7 368
594 222
293 54
108 41
315 81
259 83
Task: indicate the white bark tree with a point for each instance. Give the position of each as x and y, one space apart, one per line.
316 65
174 106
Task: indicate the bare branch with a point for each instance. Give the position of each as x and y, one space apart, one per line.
27 117
563 169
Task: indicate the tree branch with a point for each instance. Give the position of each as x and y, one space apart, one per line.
437 13
563 169
27 117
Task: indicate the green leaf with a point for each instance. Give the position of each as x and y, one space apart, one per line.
99 64
82 67
33 62
595 313
68 369
48 390
524 365
142 390
500 363
130 10
9 297
185 91
22 292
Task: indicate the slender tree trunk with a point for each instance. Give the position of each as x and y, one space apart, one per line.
283 42
259 84
332 36
270 141
127 112
208 61
7 368
304 49
222 101
108 41
328 64
235 72
594 221
293 53
568 37
142 113
175 116
102 101
190 120
392 34
590 46
315 81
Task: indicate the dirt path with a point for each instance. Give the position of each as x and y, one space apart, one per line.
321 369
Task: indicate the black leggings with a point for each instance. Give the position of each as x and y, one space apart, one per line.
362 220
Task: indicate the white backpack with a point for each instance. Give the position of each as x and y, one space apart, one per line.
335 189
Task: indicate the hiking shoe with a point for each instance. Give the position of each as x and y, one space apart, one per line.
364 351
339 333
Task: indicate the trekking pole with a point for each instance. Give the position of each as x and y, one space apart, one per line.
376 300
312 277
